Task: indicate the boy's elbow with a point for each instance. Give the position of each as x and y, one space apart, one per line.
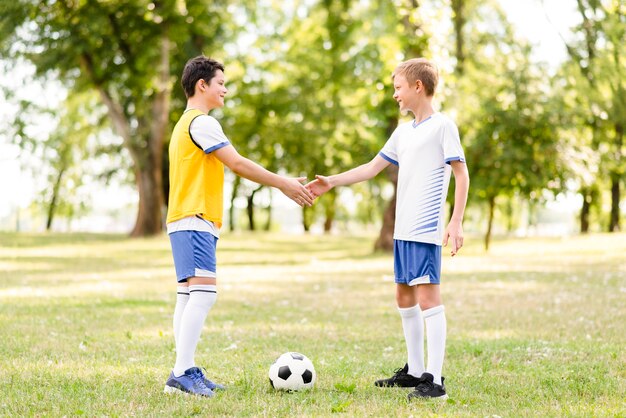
238 169
235 164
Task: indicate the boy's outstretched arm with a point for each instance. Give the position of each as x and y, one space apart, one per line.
242 166
322 184
454 231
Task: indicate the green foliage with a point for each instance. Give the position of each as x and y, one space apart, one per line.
126 51
312 97
506 120
508 124
596 73
310 87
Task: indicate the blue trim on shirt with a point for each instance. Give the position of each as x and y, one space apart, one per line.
427 226
216 147
429 205
416 124
438 185
426 218
391 160
436 188
436 174
448 160
426 231
428 213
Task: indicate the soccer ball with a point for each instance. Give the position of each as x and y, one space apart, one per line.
292 371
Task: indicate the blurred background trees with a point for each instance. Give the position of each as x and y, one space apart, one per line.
310 92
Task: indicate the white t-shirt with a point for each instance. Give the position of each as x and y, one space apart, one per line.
206 132
423 152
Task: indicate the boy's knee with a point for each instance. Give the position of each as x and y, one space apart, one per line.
429 302
406 297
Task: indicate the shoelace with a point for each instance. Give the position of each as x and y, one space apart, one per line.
198 379
399 372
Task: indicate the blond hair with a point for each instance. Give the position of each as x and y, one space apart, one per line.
419 69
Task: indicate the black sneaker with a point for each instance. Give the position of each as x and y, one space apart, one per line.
401 378
427 388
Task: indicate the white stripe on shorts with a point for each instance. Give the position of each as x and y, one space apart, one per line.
204 273
420 280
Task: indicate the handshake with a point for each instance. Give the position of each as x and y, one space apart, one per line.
305 194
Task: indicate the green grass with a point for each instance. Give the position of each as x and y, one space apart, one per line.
536 327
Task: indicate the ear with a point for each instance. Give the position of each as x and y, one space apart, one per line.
418 85
201 85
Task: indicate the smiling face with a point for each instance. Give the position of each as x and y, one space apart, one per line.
404 94
203 83
213 91
414 84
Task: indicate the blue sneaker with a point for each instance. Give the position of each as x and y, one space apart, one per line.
191 382
212 385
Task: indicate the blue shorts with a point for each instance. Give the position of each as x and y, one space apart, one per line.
194 254
416 262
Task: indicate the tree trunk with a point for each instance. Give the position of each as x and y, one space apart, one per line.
250 212
616 178
458 19
614 224
150 217
53 201
329 210
250 209
268 224
307 218
149 212
585 210
231 211
492 207
144 142
385 237
509 215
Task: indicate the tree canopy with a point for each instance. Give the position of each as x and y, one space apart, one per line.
310 91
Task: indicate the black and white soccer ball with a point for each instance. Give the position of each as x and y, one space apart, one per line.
292 372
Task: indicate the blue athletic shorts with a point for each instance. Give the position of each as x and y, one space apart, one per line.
194 254
416 262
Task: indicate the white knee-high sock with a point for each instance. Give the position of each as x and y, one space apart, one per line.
201 299
435 340
182 297
413 326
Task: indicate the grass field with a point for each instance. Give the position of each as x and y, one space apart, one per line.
536 327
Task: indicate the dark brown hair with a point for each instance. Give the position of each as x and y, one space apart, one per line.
198 68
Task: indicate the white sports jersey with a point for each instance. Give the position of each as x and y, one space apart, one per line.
423 152
206 132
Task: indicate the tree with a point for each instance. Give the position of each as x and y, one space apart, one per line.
507 121
327 102
413 44
66 151
305 98
597 51
129 52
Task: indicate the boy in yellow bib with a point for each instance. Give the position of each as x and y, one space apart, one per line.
198 151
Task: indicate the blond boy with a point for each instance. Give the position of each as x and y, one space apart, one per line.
426 150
